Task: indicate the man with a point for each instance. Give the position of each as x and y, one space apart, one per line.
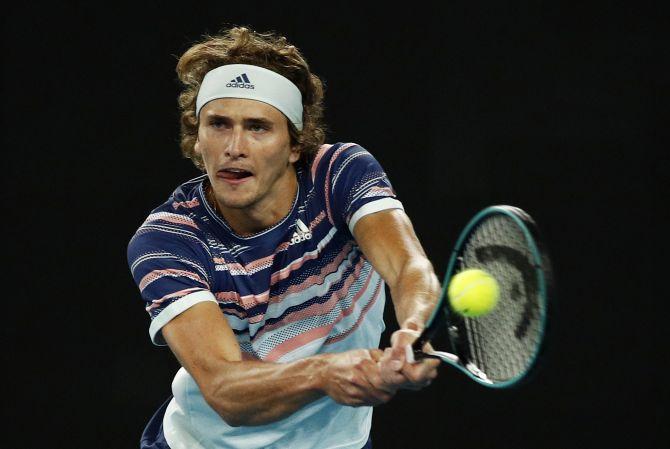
265 276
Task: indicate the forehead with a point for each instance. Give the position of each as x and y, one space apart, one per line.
242 108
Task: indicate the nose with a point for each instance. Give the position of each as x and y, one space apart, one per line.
236 147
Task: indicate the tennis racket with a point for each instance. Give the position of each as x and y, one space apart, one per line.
502 348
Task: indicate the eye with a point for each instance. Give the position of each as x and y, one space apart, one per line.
258 127
217 122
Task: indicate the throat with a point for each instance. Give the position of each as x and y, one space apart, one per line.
246 221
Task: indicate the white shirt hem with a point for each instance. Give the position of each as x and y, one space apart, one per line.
371 208
173 310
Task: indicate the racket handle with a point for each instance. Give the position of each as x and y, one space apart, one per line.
439 355
429 332
413 355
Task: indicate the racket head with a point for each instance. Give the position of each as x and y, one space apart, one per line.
502 348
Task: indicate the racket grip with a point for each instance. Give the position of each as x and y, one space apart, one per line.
419 343
413 355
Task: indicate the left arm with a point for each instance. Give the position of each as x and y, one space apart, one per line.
388 241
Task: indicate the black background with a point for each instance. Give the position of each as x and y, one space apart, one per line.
550 109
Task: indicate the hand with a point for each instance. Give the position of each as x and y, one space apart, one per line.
354 378
396 371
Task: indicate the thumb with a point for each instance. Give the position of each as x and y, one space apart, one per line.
390 369
400 340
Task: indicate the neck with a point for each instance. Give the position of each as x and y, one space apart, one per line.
260 216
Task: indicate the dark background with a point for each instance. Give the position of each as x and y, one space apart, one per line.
550 109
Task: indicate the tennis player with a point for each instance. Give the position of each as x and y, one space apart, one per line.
265 276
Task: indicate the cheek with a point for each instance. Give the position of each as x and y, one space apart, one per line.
201 151
203 142
200 139
201 148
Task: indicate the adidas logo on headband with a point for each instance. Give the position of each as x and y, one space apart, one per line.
267 87
241 81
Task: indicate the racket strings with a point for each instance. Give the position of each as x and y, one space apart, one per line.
503 343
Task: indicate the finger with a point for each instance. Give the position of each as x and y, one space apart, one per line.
399 343
404 337
417 373
373 396
373 374
389 369
427 348
434 362
431 362
391 377
421 382
389 362
402 345
409 354
376 354
369 381
421 372
418 385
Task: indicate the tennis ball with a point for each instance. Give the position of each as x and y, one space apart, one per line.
473 293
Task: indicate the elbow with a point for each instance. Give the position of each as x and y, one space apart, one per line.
224 406
231 419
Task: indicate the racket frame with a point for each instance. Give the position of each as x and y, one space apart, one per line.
453 321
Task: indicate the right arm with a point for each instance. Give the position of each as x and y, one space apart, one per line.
256 392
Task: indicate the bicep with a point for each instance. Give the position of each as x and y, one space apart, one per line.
203 341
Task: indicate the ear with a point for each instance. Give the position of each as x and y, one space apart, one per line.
196 147
294 156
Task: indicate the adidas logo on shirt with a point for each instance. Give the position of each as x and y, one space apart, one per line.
301 233
241 81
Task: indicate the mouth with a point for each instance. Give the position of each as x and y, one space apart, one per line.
234 175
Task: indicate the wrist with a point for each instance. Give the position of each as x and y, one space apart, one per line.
318 368
413 323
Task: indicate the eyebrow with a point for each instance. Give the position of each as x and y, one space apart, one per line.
246 121
257 121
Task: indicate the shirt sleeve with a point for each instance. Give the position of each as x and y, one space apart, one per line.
357 185
168 261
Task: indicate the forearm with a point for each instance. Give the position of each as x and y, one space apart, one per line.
388 240
241 392
253 393
415 291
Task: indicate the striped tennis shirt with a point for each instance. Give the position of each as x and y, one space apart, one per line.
299 288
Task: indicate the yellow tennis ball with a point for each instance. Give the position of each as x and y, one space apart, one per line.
473 293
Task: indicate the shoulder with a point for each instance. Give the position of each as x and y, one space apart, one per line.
175 224
332 158
186 196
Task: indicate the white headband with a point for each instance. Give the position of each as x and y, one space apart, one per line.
253 83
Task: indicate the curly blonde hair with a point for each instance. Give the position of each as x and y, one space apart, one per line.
241 45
